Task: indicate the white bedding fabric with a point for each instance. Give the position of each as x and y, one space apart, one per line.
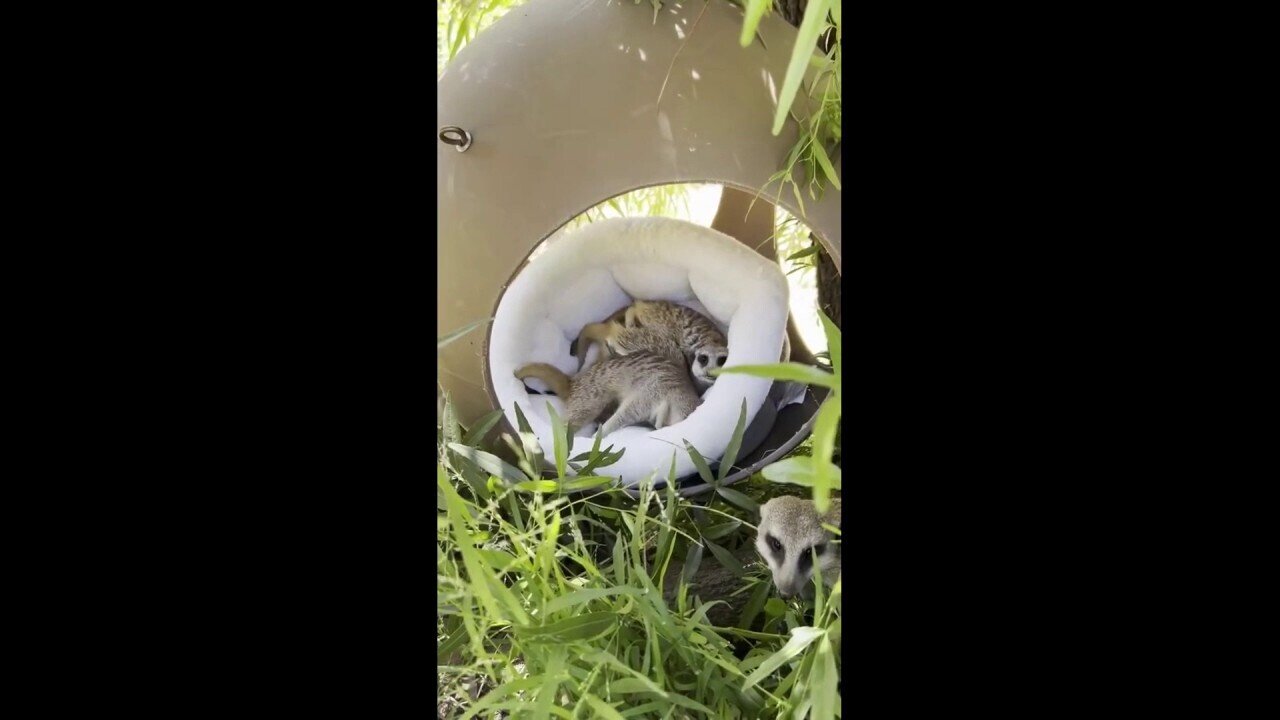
584 276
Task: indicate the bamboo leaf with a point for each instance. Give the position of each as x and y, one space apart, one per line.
584 627
692 560
834 351
579 597
715 532
582 482
801 638
823 679
607 711
824 162
754 11
824 442
735 442
738 499
725 558
491 464
700 463
811 26
799 471
811 250
558 440
754 605
482 428
790 371
537 486
533 454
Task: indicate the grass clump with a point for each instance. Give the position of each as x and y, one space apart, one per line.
560 595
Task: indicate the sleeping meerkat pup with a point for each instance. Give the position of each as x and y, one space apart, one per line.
791 540
647 387
637 327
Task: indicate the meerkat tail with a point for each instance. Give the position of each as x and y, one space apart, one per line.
593 333
552 376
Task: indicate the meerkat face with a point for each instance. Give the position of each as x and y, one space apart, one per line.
705 359
792 541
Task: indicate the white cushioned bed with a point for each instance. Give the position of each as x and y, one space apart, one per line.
583 276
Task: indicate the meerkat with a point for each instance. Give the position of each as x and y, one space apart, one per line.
646 387
791 539
639 326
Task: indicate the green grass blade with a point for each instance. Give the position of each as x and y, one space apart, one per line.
586 627
815 16
579 597
715 532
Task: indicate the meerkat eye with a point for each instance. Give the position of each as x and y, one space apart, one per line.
720 361
702 359
773 543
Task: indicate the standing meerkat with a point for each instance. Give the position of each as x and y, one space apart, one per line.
791 539
646 387
637 327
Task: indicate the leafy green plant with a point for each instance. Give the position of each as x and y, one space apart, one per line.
817 470
551 601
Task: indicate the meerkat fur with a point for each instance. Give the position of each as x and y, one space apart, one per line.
791 540
652 325
647 387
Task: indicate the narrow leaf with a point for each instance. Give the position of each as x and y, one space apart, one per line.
791 371
738 499
834 351
537 486
815 16
450 337
558 440
692 560
801 637
735 442
700 463
754 11
726 559
824 442
584 627
482 428
824 679
824 162
605 710
491 464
